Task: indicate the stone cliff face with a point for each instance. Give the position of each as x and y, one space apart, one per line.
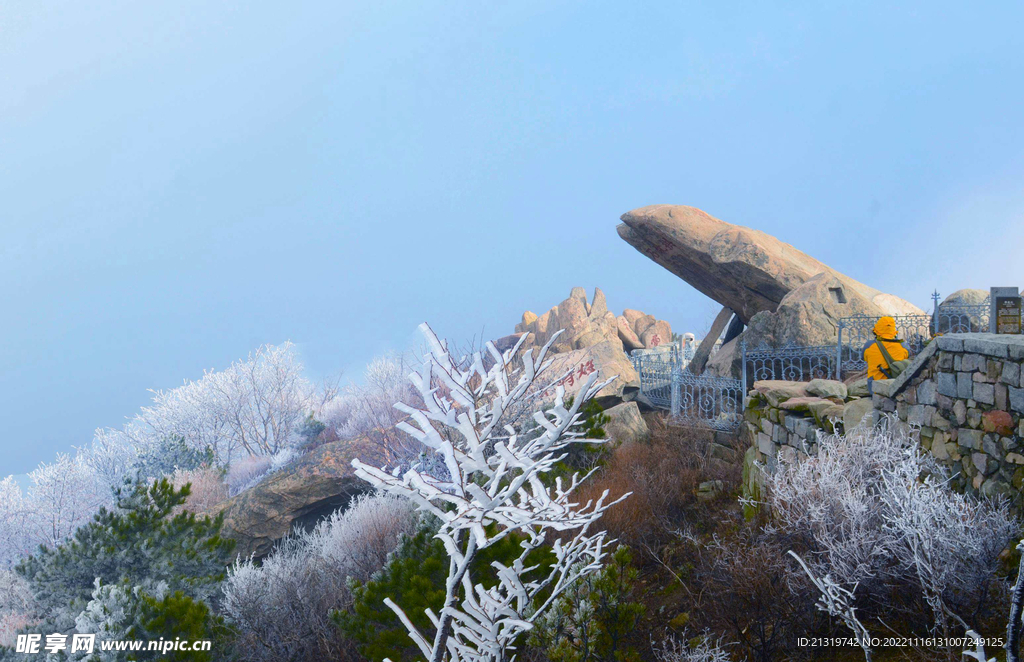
782 295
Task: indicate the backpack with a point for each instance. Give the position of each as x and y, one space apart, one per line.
894 367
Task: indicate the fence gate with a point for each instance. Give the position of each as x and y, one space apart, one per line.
705 400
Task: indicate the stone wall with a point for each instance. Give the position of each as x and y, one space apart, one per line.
966 394
782 419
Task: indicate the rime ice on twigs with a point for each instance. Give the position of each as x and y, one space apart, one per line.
490 487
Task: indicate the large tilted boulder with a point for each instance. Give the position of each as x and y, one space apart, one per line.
299 495
745 269
782 295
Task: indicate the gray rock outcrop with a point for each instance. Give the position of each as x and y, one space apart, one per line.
299 495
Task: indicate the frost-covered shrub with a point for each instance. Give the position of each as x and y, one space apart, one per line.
368 409
879 514
702 648
279 459
207 488
108 612
249 471
246 472
280 608
16 606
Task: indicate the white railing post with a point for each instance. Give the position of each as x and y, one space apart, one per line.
677 378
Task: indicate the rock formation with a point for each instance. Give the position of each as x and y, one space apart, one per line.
594 339
586 324
298 495
571 369
744 269
782 295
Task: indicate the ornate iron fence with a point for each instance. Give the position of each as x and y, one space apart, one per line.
716 402
790 362
962 318
705 400
655 373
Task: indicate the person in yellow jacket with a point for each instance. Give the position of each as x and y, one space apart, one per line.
884 350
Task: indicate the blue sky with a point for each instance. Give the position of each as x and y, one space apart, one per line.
181 182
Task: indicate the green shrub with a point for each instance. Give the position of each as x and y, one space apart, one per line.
414 578
596 619
177 616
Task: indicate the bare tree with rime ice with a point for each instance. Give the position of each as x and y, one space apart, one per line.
491 488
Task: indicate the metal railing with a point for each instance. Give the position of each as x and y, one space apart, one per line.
790 362
666 384
962 318
704 400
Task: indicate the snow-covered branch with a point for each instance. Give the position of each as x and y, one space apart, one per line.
491 488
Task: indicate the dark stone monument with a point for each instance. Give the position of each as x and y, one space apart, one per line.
1004 315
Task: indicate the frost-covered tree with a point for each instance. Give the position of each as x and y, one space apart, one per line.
493 487
255 407
14 539
140 542
280 608
368 409
61 497
16 606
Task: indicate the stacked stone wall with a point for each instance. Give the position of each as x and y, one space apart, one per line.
782 419
967 399
963 395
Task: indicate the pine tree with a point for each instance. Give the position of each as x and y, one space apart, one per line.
139 545
415 576
595 620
